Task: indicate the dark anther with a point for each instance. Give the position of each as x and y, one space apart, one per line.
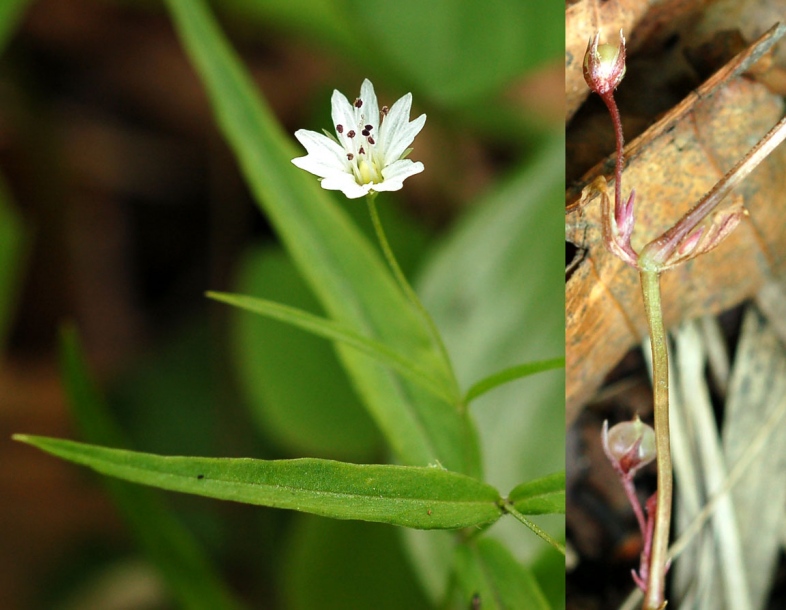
351 133
340 128
358 103
361 151
350 156
369 127
370 140
366 132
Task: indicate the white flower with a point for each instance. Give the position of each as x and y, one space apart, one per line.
369 151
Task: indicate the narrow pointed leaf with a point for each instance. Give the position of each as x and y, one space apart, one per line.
342 268
544 496
334 331
511 374
184 566
411 496
492 579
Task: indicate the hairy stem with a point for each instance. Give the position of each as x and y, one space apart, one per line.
655 597
611 104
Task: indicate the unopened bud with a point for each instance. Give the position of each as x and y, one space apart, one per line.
604 65
629 445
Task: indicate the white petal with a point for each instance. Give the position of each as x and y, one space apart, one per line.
320 145
395 174
324 155
398 142
370 108
314 166
346 184
397 117
343 114
397 132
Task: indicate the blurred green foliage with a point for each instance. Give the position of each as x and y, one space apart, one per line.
493 281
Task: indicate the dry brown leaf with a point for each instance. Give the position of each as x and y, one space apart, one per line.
671 166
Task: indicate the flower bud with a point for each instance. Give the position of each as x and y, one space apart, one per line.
604 65
629 445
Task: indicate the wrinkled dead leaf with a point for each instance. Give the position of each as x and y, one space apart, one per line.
671 166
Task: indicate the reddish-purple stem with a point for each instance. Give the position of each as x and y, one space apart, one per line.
611 104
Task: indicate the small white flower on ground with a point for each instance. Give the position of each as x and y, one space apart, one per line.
370 148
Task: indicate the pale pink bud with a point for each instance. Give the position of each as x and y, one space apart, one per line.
629 445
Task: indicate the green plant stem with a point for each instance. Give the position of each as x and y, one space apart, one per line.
655 597
408 291
535 529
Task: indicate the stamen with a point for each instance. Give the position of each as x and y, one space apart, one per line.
340 128
358 103
369 127
366 132
370 140
362 151
351 133
385 110
350 156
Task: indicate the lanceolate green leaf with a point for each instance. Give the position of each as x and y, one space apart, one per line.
418 497
540 497
511 374
334 331
491 578
340 265
174 551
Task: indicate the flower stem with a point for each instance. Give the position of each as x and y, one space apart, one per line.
655 597
630 492
407 289
611 104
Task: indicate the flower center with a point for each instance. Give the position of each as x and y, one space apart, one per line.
361 148
368 172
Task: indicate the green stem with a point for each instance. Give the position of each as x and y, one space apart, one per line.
655 597
535 529
408 291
